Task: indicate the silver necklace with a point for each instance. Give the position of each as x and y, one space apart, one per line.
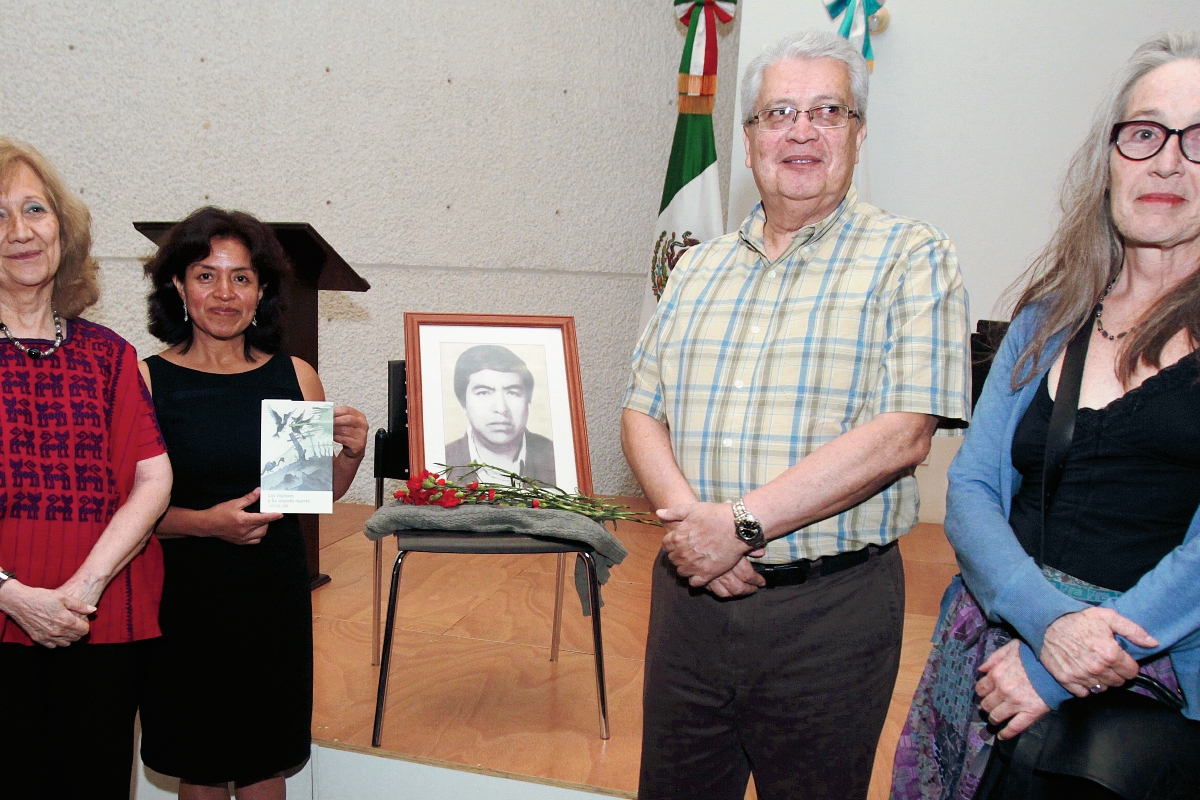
1100 310
36 352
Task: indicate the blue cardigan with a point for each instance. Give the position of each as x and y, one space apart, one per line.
1008 583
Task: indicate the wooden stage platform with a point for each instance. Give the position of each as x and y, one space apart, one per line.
472 685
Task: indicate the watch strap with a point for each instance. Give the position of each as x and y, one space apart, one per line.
746 525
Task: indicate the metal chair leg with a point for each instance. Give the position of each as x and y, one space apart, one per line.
386 657
597 642
558 595
378 576
375 602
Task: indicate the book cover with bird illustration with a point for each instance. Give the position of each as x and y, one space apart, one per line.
296 454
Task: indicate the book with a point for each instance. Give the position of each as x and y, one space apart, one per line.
296 456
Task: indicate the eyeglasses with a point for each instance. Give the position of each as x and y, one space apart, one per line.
1140 139
830 115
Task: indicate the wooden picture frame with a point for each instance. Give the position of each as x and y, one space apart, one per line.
547 356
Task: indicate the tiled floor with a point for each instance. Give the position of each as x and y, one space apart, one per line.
472 684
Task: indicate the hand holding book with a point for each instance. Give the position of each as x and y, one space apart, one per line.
350 431
233 523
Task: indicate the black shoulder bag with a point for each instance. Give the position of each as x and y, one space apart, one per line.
1115 744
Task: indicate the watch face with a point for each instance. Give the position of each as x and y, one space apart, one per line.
749 531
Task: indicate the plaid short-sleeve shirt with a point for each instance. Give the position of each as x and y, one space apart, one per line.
754 364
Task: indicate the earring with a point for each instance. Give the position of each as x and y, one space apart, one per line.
254 320
185 316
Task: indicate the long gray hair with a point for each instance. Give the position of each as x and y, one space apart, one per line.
1087 251
807 45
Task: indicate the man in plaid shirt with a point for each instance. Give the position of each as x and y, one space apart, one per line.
782 395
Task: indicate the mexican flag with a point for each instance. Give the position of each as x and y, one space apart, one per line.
690 211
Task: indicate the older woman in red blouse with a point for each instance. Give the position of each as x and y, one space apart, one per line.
83 478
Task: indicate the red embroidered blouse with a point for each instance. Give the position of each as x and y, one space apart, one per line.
75 424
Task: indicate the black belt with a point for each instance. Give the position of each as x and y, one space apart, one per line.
806 569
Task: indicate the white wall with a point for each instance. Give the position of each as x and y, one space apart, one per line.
975 109
466 156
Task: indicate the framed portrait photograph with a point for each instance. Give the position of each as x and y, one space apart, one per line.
502 390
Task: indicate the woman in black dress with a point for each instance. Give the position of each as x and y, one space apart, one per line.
231 701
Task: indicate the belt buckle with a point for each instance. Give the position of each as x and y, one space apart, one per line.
791 574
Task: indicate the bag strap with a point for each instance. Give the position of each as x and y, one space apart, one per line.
1163 693
1062 424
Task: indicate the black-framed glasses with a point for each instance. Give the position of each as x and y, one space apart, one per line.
829 115
1140 139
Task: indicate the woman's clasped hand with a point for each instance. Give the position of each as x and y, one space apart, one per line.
1081 651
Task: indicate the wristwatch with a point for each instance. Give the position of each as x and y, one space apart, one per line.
6 576
747 527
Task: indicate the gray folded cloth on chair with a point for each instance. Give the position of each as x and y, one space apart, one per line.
549 522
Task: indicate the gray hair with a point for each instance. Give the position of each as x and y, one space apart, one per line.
802 46
1155 53
1087 250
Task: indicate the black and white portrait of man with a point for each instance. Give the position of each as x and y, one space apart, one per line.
495 388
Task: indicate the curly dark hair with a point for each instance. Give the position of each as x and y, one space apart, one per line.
191 241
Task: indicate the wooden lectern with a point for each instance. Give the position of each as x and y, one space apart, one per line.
316 266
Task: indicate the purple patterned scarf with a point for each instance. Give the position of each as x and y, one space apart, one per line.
945 744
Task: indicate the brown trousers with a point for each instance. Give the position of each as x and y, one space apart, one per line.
791 684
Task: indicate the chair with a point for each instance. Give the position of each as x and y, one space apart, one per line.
391 461
984 344
507 544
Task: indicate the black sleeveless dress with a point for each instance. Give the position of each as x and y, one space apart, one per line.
231 699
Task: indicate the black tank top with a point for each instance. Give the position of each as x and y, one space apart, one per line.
1131 484
211 425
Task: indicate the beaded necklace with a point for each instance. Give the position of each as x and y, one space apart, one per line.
36 352
1100 310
